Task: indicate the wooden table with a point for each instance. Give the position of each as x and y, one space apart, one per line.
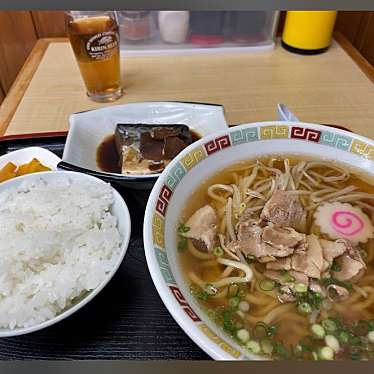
127 320
327 88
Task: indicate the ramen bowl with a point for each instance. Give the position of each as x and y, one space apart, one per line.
187 172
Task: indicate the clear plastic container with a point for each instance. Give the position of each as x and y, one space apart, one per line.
136 26
183 32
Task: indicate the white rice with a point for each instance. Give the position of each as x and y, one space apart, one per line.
57 241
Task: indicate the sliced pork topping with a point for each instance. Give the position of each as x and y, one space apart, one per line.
282 237
284 209
315 287
299 277
280 264
309 262
351 265
203 228
288 278
350 269
286 295
265 243
331 250
337 293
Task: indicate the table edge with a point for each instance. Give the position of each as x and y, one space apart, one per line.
25 75
22 81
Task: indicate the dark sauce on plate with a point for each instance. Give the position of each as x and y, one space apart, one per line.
107 157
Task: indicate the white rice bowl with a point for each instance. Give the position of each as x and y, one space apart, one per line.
58 241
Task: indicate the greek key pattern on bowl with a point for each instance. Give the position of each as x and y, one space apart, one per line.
198 154
158 225
363 149
244 136
335 140
305 134
163 200
217 144
274 132
193 158
184 304
175 176
164 266
221 343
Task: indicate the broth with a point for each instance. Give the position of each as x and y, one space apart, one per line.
293 328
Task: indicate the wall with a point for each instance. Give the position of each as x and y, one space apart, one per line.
358 28
20 30
49 23
17 38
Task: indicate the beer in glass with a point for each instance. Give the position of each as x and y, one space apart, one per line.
94 38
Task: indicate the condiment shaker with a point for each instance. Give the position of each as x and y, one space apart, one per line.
173 25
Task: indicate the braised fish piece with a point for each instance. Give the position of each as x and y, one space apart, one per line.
147 149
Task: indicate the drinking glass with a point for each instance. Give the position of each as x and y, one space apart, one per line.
94 38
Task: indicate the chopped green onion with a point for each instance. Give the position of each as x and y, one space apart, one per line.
218 251
318 331
234 301
182 244
243 335
203 296
343 337
267 285
307 343
326 353
370 336
260 330
228 324
304 308
182 229
287 278
354 340
327 281
251 258
363 254
210 289
332 342
272 330
336 267
241 293
267 346
233 290
253 346
301 287
281 350
298 349
371 325
329 325
244 306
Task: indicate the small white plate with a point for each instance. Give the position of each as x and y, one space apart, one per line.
88 129
25 155
118 209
